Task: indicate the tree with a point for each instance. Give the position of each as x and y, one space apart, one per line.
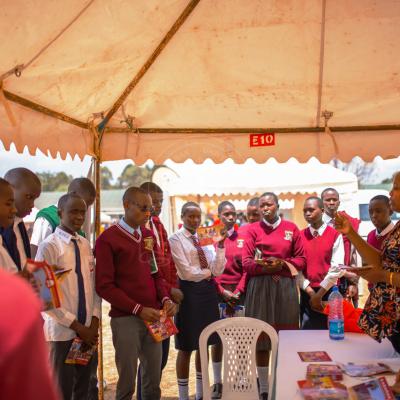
54 182
106 177
133 175
364 171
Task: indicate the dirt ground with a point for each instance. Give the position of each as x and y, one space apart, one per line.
169 388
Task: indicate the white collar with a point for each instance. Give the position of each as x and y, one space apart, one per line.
65 236
274 225
320 230
326 218
385 231
187 233
231 232
128 228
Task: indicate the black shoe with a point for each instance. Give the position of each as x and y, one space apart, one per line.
216 392
264 396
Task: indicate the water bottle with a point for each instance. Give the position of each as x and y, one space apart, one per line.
335 318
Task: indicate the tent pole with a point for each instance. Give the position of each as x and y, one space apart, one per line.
97 224
233 131
42 109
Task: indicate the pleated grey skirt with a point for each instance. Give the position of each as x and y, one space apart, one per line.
274 302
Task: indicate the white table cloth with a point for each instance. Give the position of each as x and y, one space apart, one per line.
354 348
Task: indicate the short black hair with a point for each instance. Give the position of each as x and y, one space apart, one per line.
329 189
317 199
63 200
4 184
151 187
14 176
253 202
270 194
187 205
224 204
382 198
132 192
82 186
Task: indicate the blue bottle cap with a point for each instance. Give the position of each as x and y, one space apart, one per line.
335 289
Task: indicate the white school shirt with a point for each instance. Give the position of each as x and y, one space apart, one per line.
57 249
6 262
41 229
187 260
20 243
334 272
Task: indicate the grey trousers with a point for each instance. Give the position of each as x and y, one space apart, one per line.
132 341
73 380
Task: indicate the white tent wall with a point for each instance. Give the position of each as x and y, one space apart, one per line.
229 181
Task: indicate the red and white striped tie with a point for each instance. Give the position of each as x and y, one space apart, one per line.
200 252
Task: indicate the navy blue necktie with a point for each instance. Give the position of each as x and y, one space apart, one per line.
81 286
25 239
10 243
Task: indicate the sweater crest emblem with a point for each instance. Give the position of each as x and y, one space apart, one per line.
288 235
148 243
240 243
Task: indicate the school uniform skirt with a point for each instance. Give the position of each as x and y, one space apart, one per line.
198 309
273 301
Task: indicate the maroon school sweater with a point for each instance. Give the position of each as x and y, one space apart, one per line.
283 242
318 251
376 241
233 272
123 275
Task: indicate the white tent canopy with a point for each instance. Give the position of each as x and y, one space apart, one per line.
186 79
228 178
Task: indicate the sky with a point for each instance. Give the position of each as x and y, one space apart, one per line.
76 167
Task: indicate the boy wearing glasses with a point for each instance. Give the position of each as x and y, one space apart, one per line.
124 279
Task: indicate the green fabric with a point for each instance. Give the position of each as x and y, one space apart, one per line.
51 215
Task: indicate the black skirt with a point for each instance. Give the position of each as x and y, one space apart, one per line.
198 309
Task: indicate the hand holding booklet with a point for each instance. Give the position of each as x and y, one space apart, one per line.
210 234
45 280
163 328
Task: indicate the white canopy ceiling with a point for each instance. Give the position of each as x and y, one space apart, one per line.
195 78
250 178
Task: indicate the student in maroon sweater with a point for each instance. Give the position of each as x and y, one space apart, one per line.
124 279
324 251
165 262
380 213
271 292
231 284
347 286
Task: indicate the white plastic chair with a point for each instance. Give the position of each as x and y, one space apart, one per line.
239 338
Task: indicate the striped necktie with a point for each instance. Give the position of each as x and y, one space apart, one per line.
200 252
81 286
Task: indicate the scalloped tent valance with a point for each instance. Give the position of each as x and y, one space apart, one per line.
193 79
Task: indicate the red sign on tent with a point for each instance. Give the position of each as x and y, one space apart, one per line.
262 139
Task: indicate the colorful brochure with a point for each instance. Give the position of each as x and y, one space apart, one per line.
376 389
322 389
210 234
314 356
162 329
371 369
45 280
321 370
80 353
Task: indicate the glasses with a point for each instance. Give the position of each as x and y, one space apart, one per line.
142 208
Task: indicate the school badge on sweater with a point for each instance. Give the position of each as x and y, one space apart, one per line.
288 235
148 243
